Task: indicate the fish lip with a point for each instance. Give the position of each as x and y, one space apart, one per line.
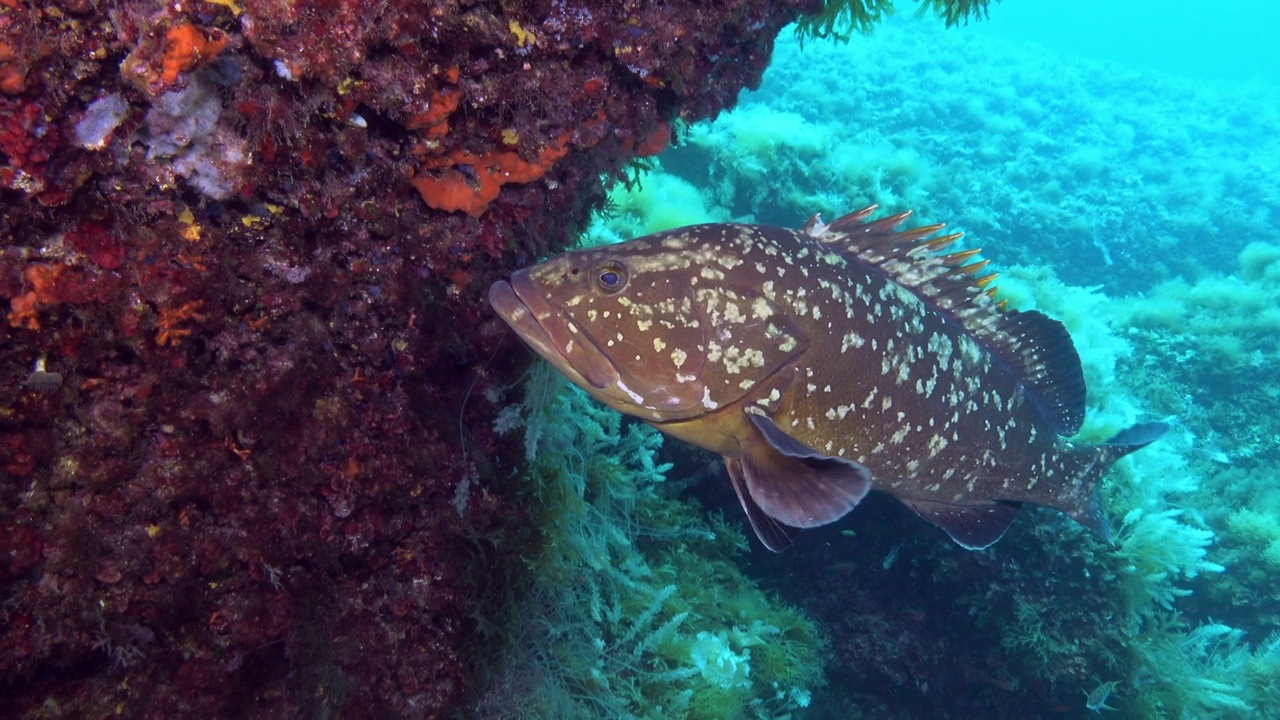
527 311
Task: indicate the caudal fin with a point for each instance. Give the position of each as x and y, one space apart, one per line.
1136 438
1096 459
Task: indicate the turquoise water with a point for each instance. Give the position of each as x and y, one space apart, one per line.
1120 167
1223 42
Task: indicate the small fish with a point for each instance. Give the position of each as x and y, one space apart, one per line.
1097 700
825 363
41 380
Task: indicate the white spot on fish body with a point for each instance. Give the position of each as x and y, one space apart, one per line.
851 339
732 313
729 261
630 393
866 404
707 402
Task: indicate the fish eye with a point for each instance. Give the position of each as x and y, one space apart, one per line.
609 277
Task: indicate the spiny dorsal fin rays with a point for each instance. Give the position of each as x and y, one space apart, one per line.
853 220
960 257
1031 344
885 225
910 257
941 241
915 234
814 228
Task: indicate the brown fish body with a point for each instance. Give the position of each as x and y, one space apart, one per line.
823 363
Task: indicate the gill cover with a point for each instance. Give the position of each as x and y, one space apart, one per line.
635 328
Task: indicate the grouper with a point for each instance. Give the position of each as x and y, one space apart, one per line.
825 363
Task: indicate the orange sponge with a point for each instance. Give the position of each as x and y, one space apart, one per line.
452 190
187 46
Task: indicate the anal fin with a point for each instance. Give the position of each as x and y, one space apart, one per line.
973 527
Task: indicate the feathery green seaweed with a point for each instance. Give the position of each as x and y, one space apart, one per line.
839 19
637 608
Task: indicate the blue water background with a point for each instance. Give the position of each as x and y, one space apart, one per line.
1226 42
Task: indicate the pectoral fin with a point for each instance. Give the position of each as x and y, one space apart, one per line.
782 482
775 536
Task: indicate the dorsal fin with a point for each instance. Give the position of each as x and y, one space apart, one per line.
1036 347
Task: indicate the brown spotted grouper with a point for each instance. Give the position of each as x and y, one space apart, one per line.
826 363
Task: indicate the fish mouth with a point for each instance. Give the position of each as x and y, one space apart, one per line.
548 331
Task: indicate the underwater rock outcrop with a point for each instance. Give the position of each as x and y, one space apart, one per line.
251 239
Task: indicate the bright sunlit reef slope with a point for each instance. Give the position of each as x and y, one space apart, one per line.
1129 193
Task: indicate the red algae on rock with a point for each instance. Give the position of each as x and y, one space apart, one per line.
252 238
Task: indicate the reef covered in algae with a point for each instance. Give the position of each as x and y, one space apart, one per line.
244 464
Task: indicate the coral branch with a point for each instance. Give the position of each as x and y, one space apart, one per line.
170 333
